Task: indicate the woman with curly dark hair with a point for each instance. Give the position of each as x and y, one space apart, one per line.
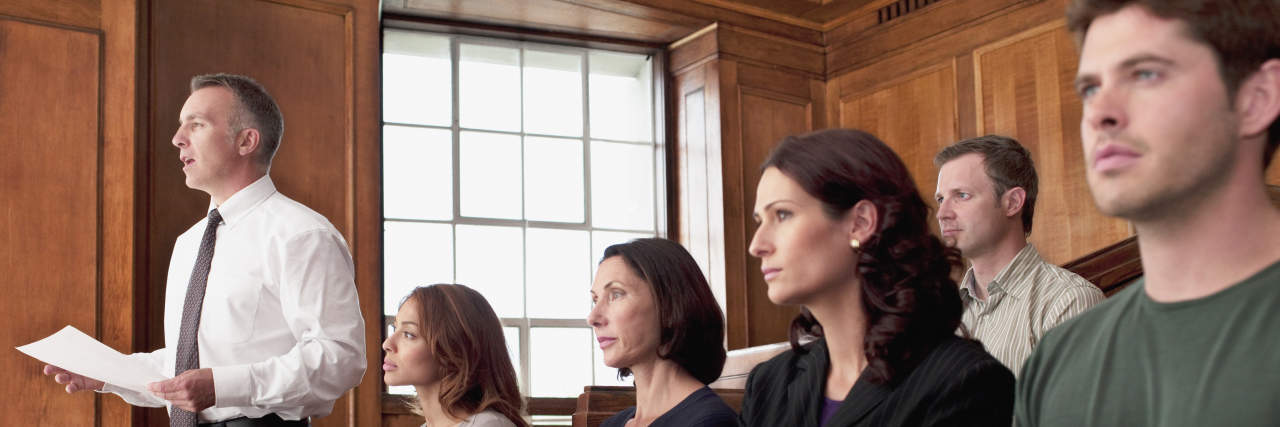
844 233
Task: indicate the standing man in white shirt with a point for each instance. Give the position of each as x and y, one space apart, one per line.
262 321
986 196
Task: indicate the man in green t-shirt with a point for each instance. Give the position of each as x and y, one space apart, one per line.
1181 100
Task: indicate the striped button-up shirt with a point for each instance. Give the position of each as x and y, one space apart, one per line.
1026 299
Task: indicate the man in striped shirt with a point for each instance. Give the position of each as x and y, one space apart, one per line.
986 198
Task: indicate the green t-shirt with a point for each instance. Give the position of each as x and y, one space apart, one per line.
1131 361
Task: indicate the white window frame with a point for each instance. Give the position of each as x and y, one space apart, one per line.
659 161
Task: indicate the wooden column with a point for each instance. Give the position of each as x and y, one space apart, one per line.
737 92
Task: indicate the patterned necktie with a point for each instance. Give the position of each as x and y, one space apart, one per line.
188 356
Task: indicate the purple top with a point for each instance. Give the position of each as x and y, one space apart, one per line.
829 408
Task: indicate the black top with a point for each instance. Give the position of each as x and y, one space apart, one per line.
957 384
703 408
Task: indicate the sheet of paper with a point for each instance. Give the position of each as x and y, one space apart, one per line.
77 352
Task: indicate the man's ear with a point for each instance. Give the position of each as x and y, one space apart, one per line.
248 141
1012 200
862 221
1258 99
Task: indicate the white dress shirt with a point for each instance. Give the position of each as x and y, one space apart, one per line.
281 325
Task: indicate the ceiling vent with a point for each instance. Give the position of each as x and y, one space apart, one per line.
901 8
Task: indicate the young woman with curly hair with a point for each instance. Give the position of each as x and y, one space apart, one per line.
843 233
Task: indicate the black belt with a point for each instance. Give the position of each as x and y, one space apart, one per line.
270 420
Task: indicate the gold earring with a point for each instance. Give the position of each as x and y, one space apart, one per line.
855 244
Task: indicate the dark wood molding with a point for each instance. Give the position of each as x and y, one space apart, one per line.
1110 268
454 26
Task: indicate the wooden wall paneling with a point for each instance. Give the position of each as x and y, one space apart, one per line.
966 117
937 20
315 58
779 80
796 62
698 159
766 118
789 31
763 49
792 13
124 262
830 105
915 115
834 13
76 13
51 181
699 47
1024 90
912 50
740 314
365 34
854 23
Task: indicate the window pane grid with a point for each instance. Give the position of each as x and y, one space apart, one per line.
520 223
549 227
518 133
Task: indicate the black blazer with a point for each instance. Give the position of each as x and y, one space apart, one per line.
957 384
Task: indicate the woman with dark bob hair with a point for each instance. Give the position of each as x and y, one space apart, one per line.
655 319
448 344
844 234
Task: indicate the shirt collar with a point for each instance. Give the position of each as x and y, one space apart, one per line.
1015 278
968 284
1011 280
240 203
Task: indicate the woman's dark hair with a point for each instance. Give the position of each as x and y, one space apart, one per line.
692 325
910 299
466 341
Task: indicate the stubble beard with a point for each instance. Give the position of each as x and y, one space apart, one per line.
1177 192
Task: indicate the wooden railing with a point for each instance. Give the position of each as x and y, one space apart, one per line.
1110 268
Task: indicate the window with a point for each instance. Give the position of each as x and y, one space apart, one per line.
509 167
